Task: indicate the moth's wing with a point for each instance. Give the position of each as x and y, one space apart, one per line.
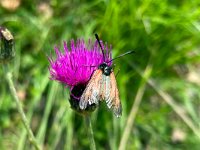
111 94
105 88
91 93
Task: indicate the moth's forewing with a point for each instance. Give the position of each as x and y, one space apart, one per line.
109 92
102 87
114 100
91 93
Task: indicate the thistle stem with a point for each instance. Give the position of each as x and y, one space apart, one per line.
8 75
90 132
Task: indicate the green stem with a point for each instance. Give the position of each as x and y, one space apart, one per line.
90 133
8 75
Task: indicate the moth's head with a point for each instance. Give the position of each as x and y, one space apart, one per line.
105 69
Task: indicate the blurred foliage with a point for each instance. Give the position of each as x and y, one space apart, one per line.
164 34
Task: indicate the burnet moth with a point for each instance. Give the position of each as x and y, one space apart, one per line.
103 86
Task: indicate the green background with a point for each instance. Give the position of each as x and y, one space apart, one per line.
160 83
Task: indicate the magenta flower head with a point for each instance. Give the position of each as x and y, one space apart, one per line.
75 65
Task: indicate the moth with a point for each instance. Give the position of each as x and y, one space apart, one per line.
103 86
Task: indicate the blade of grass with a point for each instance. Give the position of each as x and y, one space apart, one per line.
64 120
90 132
113 133
57 127
8 75
43 126
44 83
69 131
171 102
178 109
135 107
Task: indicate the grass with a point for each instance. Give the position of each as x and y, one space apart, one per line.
165 36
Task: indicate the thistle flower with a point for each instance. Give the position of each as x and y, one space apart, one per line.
75 65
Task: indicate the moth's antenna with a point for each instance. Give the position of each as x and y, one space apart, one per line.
97 37
129 52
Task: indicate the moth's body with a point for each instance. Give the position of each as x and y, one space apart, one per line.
102 86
